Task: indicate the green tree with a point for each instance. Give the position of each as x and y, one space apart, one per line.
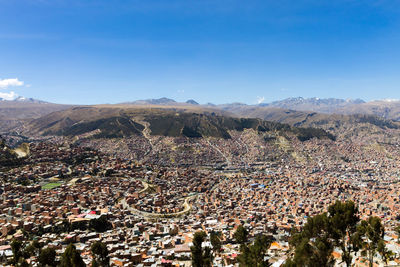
207 257
36 246
343 219
100 254
254 254
81 225
71 257
313 245
100 225
29 251
241 235
370 236
66 226
33 249
200 257
215 239
385 253
16 248
47 257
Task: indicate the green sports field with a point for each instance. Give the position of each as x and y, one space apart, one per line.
51 185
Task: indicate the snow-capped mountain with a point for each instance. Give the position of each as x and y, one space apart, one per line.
24 99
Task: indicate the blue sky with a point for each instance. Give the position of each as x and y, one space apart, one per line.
219 51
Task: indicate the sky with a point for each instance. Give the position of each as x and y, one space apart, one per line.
219 51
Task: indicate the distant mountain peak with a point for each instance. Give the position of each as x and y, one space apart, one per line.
315 101
192 102
238 104
25 99
30 100
164 99
159 101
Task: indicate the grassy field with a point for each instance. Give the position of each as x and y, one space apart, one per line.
51 185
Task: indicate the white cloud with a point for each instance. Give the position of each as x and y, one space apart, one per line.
260 99
8 96
5 83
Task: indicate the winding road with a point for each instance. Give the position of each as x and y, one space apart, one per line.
186 208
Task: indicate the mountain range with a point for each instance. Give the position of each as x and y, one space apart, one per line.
164 116
24 100
387 108
301 103
111 121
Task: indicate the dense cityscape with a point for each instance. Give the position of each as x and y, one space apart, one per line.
147 213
